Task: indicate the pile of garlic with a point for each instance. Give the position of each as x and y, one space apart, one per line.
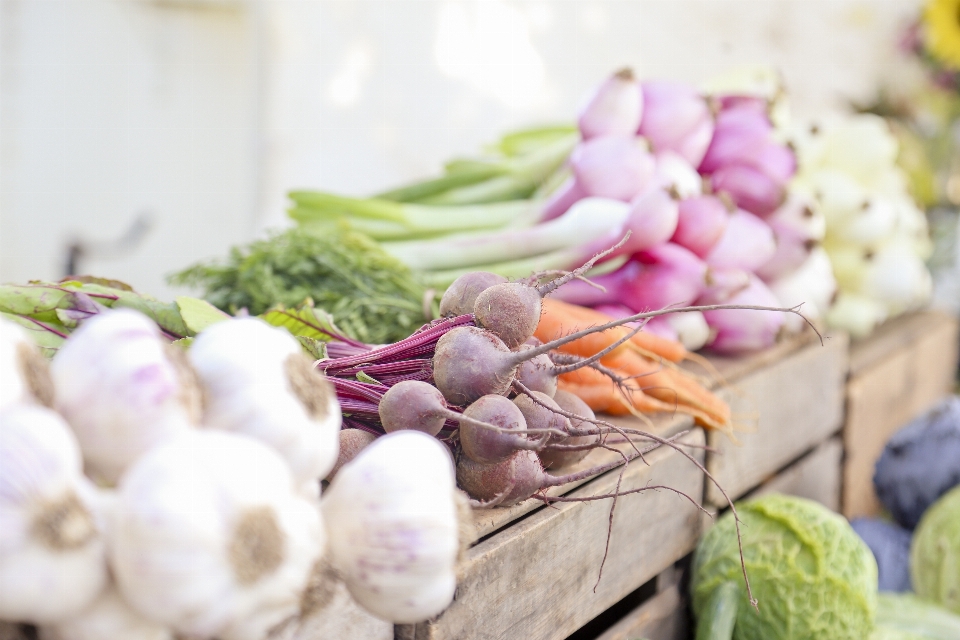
147 493
876 236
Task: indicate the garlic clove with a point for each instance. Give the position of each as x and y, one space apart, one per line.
24 373
259 383
108 618
52 557
120 391
392 518
210 538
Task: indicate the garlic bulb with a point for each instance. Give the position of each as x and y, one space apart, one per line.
258 382
210 539
24 373
52 559
108 618
392 518
121 390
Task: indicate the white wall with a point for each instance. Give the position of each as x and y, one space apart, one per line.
208 115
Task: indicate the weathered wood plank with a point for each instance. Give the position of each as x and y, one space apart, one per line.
662 617
342 619
891 336
794 402
487 521
815 476
917 368
535 580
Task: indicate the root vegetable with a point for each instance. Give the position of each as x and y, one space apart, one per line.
121 391
210 538
461 296
614 108
259 383
394 527
490 446
352 442
108 618
52 558
552 455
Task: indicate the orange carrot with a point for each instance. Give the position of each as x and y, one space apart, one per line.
669 385
560 319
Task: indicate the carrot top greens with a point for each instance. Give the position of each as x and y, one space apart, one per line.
372 296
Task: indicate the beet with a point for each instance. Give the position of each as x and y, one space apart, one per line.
541 414
461 296
537 374
486 445
508 482
557 457
352 442
469 363
413 405
510 310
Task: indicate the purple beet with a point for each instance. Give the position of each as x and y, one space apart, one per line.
563 452
487 446
537 373
461 296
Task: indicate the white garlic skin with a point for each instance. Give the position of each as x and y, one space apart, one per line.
108 618
243 366
119 391
12 387
391 519
209 537
52 551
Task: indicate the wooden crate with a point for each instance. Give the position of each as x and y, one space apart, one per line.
791 395
815 476
664 616
895 375
537 579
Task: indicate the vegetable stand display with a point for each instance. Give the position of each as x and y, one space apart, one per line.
895 375
533 570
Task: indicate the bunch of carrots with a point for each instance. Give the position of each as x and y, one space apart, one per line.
641 376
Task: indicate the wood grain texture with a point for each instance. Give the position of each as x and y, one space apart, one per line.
341 619
815 476
793 404
662 617
535 580
902 373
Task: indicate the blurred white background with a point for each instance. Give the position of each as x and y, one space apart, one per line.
205 112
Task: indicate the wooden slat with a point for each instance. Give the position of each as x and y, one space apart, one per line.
815 476
916 368
891 336
487 521
535 580
792 404
662 617
342 619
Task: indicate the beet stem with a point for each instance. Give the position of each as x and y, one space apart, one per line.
559 342
600 354
459 417
555 284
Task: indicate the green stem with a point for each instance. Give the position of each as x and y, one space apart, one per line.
522 178
419 221
719 615
461 178
564 259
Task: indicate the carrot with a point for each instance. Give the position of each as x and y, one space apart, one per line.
560 318
669 385
602 395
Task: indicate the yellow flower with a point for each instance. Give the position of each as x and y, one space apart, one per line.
942 19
